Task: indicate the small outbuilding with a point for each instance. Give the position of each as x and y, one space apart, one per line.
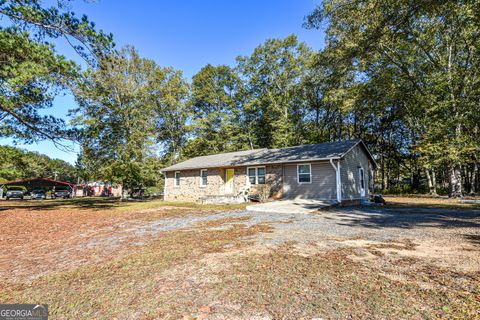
340 171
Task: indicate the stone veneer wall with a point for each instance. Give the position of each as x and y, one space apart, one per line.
190 189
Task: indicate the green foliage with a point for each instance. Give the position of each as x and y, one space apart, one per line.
128 108
57 21
274 102
215 100
171 112
416 69
30 76
20 164
31 73
402 75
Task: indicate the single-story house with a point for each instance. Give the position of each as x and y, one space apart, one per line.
340 171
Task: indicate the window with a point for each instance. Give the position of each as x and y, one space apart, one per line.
362 178
252 175
304 173
177 178
261 175
203 177
256 175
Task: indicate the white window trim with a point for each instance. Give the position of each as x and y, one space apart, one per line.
298 173
256 175
201 178
360 172
175 185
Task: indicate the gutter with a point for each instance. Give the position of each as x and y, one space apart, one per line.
338 179
168 169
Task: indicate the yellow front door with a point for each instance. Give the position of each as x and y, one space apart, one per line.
229 173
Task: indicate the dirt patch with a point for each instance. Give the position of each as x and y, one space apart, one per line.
329 285
30 241
154 273
223 221
199 263
462 257
36 242
160 209
430 202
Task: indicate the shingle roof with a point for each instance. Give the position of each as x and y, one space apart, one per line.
308 152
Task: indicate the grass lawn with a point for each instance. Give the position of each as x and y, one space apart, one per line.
84 260
429 202
99 203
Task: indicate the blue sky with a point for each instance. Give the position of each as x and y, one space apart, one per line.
187 35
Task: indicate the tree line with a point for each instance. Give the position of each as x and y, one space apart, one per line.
18 164
401 75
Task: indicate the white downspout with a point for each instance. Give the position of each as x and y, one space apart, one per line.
164 185
338 180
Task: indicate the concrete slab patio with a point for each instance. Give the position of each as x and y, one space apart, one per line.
291 206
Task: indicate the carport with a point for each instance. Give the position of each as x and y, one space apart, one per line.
37 183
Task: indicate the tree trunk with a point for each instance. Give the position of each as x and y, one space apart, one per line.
455 181
466 179
474 178
434 182
122 196
431 186
383 174
432 189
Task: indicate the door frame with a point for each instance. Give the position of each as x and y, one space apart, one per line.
230 190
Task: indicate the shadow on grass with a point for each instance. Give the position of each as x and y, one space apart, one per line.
98 203
446 205
473 238
77 203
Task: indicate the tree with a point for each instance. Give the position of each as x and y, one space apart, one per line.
122 105
21 164
171 112
216 107
274 103
31 73
426 54
57 21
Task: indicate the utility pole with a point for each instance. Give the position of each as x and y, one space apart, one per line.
55 175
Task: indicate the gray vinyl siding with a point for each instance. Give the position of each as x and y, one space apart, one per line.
349 173
323 184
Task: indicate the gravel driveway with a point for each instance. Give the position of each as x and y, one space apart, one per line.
377 224
370 223
333 227
450 238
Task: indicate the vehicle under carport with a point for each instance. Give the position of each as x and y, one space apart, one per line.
31 184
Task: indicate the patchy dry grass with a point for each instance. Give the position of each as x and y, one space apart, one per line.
223 221
173 278
95 203
33 234
428 202
329 285
214 270
160 209
134 286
